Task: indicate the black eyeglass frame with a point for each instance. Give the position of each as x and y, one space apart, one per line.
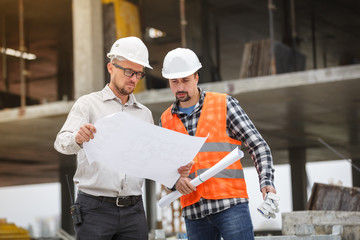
129 73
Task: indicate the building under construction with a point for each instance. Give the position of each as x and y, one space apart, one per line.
293 65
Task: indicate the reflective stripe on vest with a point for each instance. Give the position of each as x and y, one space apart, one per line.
218 147
225 173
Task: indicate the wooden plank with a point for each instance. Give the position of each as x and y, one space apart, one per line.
256 59
332 197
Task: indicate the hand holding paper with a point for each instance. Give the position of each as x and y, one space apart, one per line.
132 146
185 170
222 164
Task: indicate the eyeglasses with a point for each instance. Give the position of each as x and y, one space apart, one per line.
129 73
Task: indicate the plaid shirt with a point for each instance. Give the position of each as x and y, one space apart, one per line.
239 127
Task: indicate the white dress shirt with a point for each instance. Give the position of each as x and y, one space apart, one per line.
95 179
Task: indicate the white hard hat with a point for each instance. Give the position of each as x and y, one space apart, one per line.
132 49
180 63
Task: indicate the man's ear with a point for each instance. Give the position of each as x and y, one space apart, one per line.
197 77
110 67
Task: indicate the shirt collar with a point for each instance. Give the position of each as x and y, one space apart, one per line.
108 94
175 106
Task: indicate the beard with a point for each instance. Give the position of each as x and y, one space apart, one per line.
123 91
184 98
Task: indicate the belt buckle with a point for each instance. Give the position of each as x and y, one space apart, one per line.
117 202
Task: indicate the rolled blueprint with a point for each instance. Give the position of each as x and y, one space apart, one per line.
222 164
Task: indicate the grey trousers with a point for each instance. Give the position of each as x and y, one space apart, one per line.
105 221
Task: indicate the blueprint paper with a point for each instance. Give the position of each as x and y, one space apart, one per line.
132 146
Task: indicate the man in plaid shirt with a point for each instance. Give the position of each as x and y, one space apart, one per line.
207 214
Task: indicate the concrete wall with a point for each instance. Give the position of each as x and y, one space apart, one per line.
323 222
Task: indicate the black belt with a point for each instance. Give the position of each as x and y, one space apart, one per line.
121 201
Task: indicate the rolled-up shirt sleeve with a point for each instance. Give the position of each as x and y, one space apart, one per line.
240 127
65 140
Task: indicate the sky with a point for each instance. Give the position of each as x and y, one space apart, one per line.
32 204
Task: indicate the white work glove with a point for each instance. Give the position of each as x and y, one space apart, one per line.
270 206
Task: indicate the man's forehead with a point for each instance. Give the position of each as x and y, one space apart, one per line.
130 65
192 76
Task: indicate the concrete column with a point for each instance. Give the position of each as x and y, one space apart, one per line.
88 47
151 204
67 167
354 142
297 159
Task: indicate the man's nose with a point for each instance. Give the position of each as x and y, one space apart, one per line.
181 86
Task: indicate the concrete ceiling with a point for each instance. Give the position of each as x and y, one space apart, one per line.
290 110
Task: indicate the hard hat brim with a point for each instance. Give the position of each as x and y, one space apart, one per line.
180 74
131 60
139 62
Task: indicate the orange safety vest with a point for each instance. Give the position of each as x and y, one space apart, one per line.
230 182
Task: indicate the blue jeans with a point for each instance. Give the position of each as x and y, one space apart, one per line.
231 224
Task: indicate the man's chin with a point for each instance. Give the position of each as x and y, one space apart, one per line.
183 99
127 91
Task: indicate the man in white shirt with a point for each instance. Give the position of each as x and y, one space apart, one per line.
110 202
